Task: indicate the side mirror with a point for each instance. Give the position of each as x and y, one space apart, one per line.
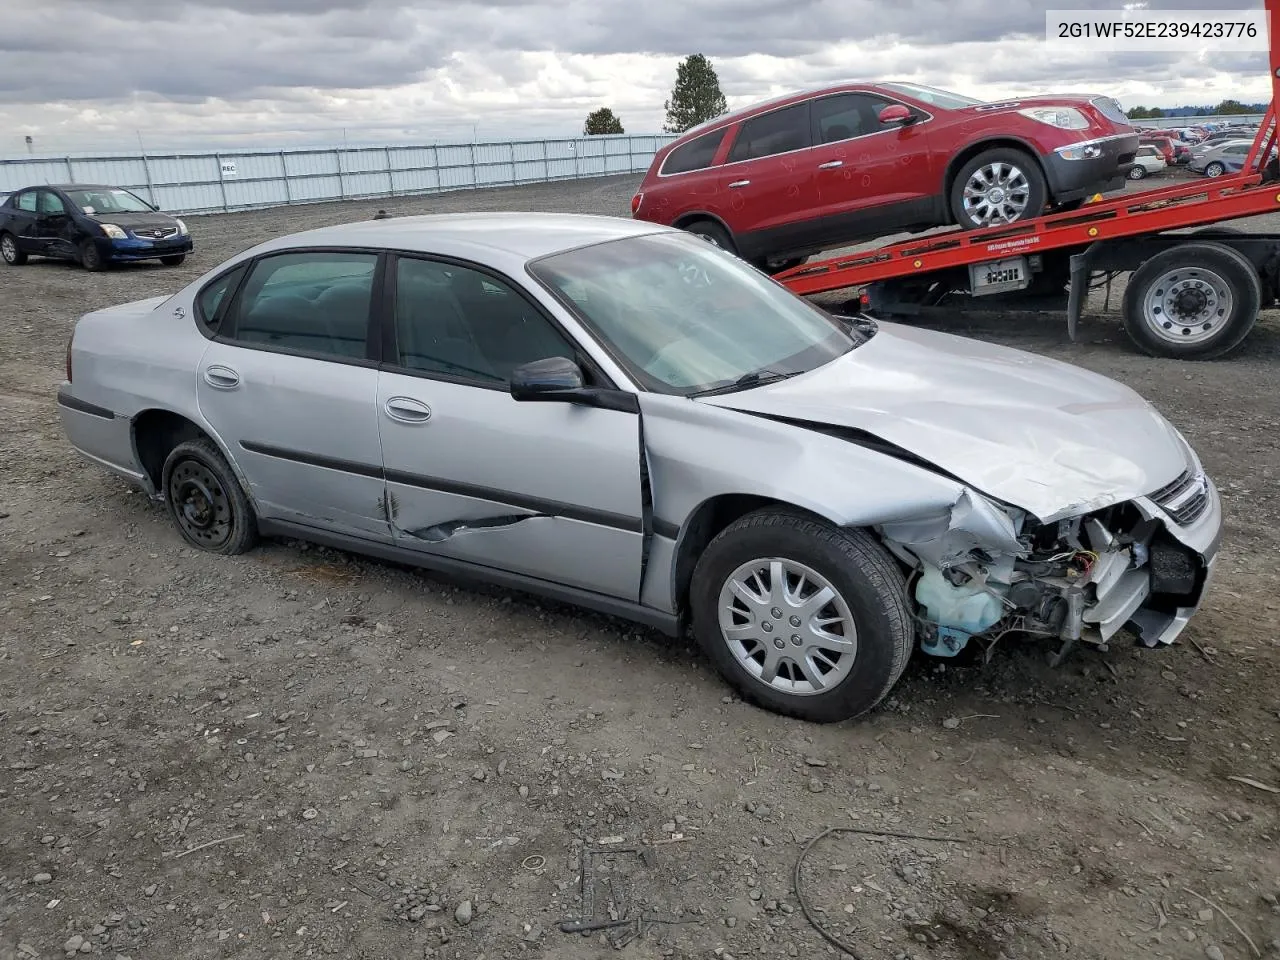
896 115
555 378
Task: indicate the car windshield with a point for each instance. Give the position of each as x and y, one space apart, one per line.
939 98
111 200
685 317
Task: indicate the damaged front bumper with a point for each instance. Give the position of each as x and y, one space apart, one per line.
985 571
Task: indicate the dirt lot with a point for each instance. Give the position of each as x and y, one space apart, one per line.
299 753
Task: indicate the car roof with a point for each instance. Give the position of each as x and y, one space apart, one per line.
524 235
68 186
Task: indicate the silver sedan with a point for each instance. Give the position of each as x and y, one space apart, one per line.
625 417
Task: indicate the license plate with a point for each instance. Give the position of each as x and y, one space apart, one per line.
999 276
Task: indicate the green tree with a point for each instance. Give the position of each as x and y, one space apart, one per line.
696 96
1145 113
601 122
1229 108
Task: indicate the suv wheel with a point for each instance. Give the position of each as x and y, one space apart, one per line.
997 187
712 232
804 618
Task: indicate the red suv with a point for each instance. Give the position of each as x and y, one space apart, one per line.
787 178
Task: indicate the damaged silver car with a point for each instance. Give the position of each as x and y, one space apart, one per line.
622 416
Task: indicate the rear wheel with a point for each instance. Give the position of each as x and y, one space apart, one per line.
802 617
1215 169
996 187
1195 301
713 233
90 258
206 501
10 252
1137 172
174 261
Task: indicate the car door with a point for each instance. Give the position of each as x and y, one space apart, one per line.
55 227
549 490
24 221
289 386
869 175
766 181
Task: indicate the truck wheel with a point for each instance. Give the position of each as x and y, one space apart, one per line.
1195 301
996 187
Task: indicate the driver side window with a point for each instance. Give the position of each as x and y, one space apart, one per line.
461 323
51 203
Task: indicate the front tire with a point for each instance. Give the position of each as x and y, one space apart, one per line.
90 258
1195 301
803 618
1215 169
9 250
997 187
174 261
206 501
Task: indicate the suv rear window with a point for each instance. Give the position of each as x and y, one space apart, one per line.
697 154
779 131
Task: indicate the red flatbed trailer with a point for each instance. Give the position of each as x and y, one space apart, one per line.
1191 296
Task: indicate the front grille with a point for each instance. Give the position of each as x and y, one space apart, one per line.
1185 499
155 233
1112 110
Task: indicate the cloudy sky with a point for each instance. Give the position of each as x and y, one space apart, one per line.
94 74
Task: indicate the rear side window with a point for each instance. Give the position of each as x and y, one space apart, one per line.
27 201
315 302
213 302
779 131
697 154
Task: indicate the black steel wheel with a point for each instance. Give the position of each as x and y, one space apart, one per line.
206 501
90 258
174 261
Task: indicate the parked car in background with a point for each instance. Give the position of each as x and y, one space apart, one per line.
621 416
1146 162
786 178
90 224
1221 158
1163 144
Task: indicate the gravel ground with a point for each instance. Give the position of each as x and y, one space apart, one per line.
299 753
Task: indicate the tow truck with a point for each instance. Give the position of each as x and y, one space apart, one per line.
1190 296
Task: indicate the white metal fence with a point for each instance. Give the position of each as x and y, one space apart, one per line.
1168 122
209 182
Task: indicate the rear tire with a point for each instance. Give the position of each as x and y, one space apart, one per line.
174 261
1215 169
9 250
713 233
1195 301
772 649
1023 196
1137 172
205 500
90 258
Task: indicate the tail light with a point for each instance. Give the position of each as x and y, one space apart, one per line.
69 340
635 203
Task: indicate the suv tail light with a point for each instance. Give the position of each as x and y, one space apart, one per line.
69 341
635 203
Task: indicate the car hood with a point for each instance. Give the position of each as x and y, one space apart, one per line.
1050 438
129 221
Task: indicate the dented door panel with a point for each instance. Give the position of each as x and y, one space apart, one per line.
547 490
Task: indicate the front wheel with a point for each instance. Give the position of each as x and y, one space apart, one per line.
174 261
997 187
206 501
803 618
90 258
1214 169
10 252
1195 301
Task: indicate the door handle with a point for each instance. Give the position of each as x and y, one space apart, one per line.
831 165
223 378
407 410
738 183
